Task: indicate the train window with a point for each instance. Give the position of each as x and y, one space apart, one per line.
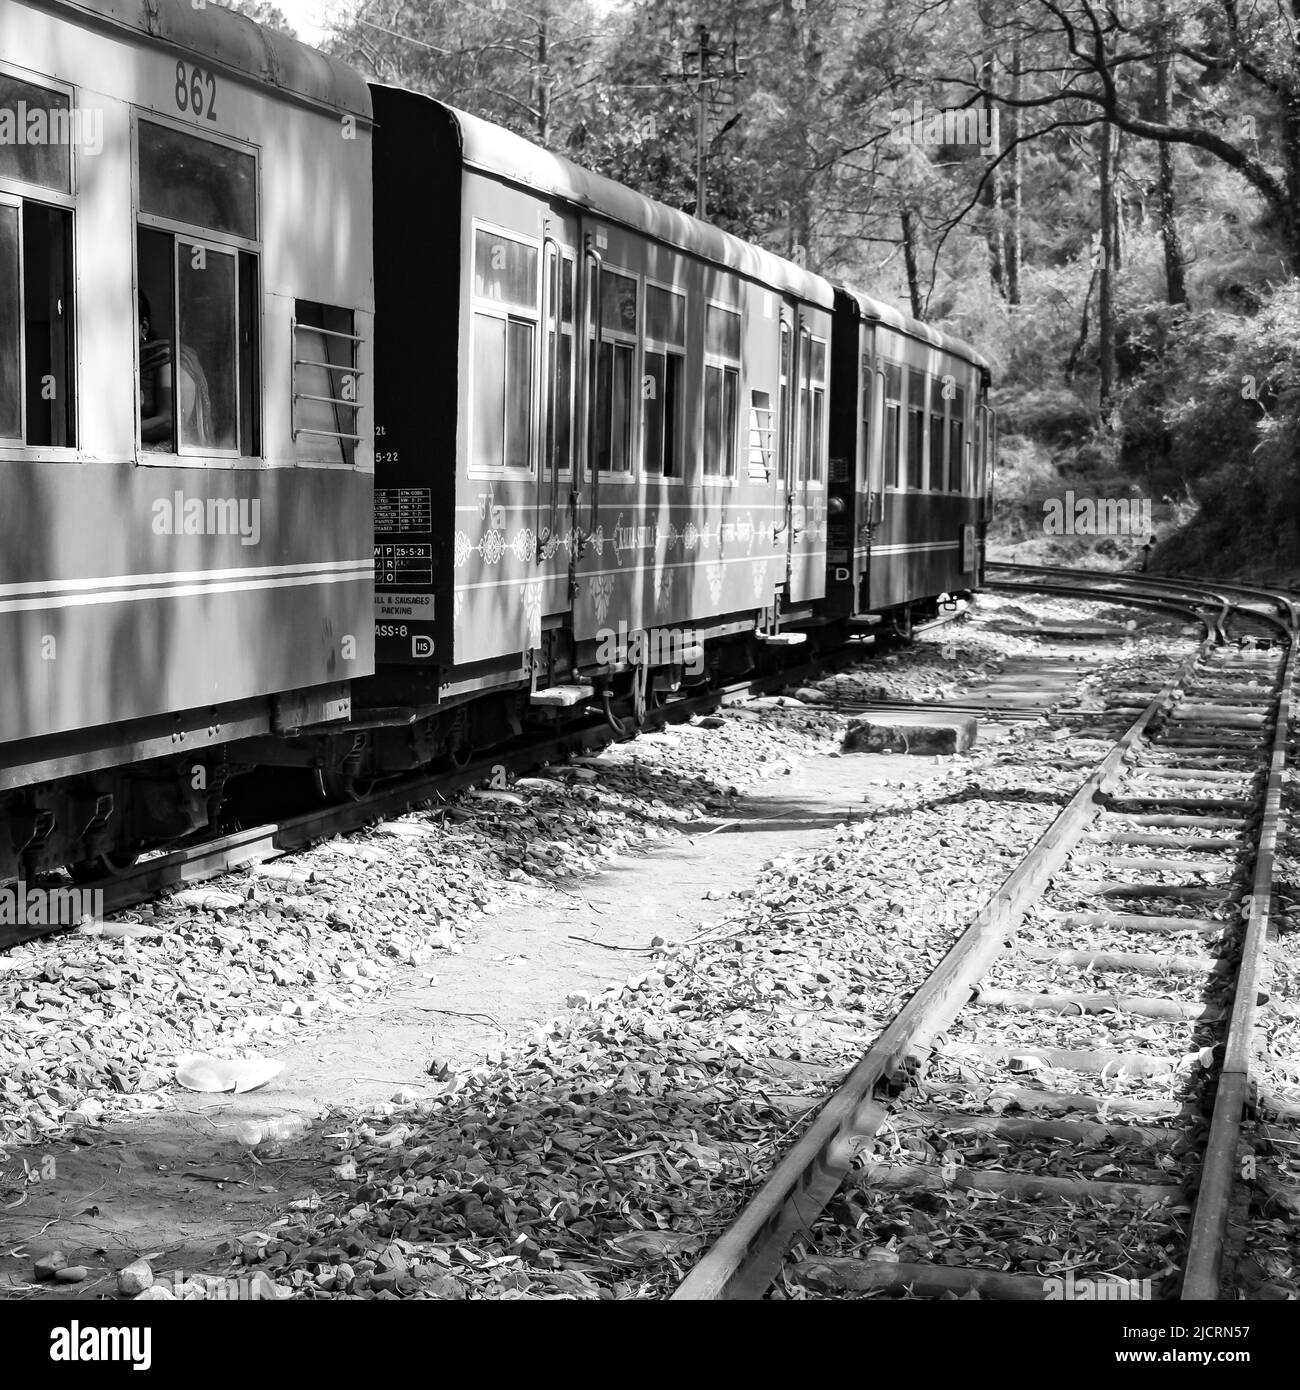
957 465
503 391
505 270
11 342
665 316
37 131
893 421
762 434
613 373
614 407
325 380
721 390
812 411
561 358
197 307
661 385
915 429
197 295
36 349
504 352
197 182
938 436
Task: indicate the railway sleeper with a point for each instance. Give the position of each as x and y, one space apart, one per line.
1141 922
920 1177
1092 1133
1172 1010
1135 962
849 1275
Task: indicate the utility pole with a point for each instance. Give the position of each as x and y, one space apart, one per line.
698 71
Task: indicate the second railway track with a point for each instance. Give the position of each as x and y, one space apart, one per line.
1097 1017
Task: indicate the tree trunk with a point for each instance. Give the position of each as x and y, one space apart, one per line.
909 259
1082 341
1175 264
542 86
1015 243
992 194
1105 273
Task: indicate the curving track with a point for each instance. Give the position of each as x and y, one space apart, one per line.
1135 930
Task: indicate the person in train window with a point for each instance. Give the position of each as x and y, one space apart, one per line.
157 384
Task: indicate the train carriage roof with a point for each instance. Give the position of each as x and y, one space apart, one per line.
903 323
502 154
229 42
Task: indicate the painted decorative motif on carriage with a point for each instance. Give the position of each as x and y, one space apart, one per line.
461 550
492 547
758 572
533 612
714 575
601 587
690 537
524 545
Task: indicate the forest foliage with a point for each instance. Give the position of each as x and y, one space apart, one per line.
1105 197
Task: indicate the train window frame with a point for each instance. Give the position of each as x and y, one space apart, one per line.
662 347
19 192
813 450
616 338
940 472
786 444
568 259
919 442
959 481
720 362
892 427
225 243
478 305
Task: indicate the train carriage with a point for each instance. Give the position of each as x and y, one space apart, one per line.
597 417
186 324
912 447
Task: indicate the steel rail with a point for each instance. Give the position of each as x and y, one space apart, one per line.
747 1257
1220 1167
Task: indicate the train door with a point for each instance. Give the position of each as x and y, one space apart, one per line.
871 473
558 392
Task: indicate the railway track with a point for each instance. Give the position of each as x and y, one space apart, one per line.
1098 1016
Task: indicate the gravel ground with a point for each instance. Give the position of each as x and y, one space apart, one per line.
601 1156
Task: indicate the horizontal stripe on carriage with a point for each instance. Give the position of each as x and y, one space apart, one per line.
83 593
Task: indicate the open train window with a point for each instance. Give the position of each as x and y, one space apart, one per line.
938 436
812 411
958 481
505 329
663 380
721 390
915 429
38 128
893 421
197 266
